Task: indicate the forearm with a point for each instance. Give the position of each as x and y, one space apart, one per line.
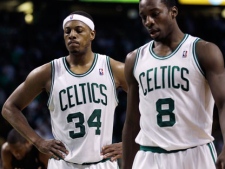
15 117
130 148
222 122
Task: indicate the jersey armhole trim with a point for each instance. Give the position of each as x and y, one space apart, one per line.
136 59
196 57
111 75
52 81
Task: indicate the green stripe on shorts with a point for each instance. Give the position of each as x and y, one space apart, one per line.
160 150
212 151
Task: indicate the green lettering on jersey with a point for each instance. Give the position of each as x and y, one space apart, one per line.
82 85
173 77
185 71
76 95
69 95
149 79
163 75
102 89
78 102
78 119
89 92
165 112
94 87
140 79
155 79
63 107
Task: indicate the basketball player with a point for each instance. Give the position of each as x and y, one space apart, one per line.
173 81
18 153
82 100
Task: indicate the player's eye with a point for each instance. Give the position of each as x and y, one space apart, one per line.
67 30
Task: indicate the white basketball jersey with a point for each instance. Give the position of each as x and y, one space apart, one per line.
176 103
82 108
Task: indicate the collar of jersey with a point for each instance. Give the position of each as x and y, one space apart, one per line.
83 74
171 54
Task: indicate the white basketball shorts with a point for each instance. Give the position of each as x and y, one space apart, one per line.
61 164
200 157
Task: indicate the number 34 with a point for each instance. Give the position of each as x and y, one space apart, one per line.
96 114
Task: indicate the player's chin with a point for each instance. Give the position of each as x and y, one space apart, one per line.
157 39
74 51
156 36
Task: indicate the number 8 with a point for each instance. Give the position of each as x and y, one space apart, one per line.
165 112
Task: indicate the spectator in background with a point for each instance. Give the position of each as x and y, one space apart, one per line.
17 152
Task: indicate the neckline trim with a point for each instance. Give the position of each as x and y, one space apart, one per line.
83 74
171 54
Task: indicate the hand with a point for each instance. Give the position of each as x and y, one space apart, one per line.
53 148
220 163
112 151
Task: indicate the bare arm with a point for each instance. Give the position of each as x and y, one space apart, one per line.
37 81
118 73
131 126
6 156
212 62
114 151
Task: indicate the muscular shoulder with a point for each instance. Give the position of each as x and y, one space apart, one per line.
41 76
209 55
6 156
116 65
129 66
205 48
5 147
131 57
44 70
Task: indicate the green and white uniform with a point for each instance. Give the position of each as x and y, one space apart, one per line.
176 103
82 109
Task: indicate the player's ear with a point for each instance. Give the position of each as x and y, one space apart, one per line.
93 34
174 12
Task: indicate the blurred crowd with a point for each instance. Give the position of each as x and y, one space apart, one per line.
26 46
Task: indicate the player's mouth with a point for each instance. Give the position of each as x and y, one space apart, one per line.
153 33
73 43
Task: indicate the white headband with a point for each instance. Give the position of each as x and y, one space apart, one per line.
78 17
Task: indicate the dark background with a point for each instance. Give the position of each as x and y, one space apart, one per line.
24 46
